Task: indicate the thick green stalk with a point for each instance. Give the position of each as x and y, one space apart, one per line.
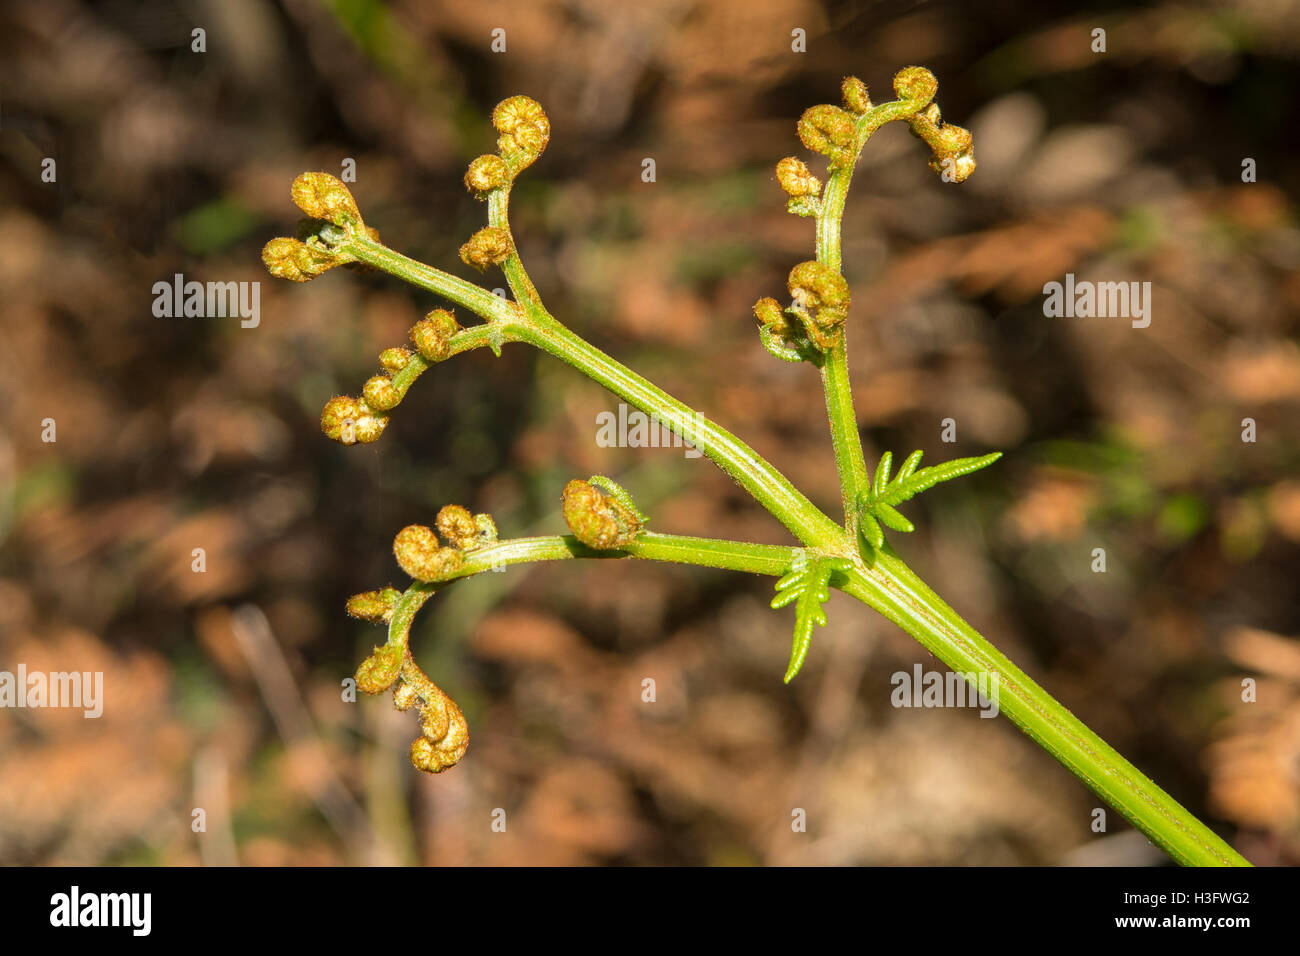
889 586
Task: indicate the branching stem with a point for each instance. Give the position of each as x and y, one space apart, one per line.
874 574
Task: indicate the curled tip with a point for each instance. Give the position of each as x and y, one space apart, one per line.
855 95
486 174
487 247
373 606
296 261
432 335
404 696
322 196
916 85
419 554
822 292
956 168
524 128
953 146
338 412
768 312
434 756
378 671
456 524
778 335
370 427
828 130
395 359
487 528
598 520
348 420
381 394
796 179
444 734
464 530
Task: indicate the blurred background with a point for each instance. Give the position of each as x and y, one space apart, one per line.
223 687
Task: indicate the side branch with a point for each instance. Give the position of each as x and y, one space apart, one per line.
478 300
745 556
773 490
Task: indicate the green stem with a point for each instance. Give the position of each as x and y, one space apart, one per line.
516 275
466 340
531 323
845 438
890 587
767 485
475 298
847 441
746 556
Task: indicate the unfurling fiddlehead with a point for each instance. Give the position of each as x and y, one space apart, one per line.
490 246
601 514
334 234
444 734
819 293
332 217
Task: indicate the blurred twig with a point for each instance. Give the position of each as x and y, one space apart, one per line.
293 721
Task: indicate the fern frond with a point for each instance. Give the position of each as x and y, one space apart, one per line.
876 506
807 584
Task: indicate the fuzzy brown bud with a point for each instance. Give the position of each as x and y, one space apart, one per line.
322 196
373 606
380 393
432 756
779 335
830 131
404 696
296 261
486 174
432 335
598 520
487 247
524 128
444 735
824 296
369 428
953 146
855 95
768 312
378 671
348 420
395 359
796 179
419 554
915 85
456 524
